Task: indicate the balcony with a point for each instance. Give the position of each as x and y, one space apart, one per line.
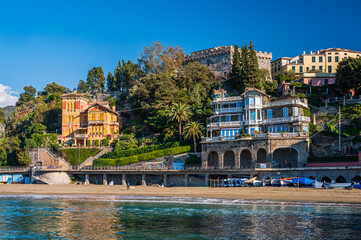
225 124
228 110
286 119
96 121
83 124
114 123
227 99
80 135
287 102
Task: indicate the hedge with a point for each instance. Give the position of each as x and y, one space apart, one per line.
141 157
333 159
137 151
72 154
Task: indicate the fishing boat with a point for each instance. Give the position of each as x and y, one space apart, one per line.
257 183
275 182
357 185
337 185
266 182
225 183
302 181
286 182
317 184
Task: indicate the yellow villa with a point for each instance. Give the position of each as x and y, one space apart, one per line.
324 61
87 122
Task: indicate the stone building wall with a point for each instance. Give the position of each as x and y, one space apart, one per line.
219 59
247 152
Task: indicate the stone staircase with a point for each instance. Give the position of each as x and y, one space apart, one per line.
89 161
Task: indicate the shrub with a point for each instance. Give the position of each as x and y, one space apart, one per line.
96 143
87 143
106 142
136 151
140 157
72 155
193 159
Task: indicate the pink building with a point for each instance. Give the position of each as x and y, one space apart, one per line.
317 79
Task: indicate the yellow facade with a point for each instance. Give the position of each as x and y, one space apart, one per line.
325 61
87 123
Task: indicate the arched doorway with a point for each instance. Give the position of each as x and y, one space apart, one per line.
356 179
246 159
312 178
212 160
285 158
340 179
326 179
261 156
229 159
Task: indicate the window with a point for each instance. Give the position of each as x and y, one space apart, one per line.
329 59
326 81
253 115
227 118
239 104
336 58
320 59
247 101
320 68
251 101
285 112
293 68
296 111
313 68
313 59
301 69
269 114
330 69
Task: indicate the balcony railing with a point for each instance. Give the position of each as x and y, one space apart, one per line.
227 99
287 102
225 124
81 135
83 124
114 123
256 136
286 119
96 122
228 110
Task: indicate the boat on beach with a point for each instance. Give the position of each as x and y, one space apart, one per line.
275 182
337 185
302 181
286 182
317 184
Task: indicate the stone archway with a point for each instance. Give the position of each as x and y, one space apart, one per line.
246 158
261 156
229 159
212 160
356 179
326 179
340 179
285 158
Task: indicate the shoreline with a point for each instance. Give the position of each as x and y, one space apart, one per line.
245 194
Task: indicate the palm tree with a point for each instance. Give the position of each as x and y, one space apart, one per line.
193 130
179 112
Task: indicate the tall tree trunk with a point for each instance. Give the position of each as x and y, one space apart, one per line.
195 144
180 130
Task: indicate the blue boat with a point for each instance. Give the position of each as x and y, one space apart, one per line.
303 181
225 183
357 185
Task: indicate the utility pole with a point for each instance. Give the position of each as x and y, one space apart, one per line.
339 129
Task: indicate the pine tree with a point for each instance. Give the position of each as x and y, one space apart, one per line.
236 70
111 83
245 66
253 75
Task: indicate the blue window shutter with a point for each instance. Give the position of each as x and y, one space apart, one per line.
227 118
253 115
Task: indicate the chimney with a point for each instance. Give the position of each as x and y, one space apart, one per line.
113 108
304 52
311 52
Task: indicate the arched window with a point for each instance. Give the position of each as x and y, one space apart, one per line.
93 116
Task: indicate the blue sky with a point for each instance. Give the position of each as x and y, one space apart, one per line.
46 41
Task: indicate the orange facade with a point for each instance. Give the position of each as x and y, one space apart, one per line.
87 122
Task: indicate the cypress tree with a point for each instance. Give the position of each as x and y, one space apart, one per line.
253 75
245 66
235 75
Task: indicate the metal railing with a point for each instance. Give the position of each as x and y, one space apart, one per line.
255 136
13 169
286 102
227 99
225 124
286 119
96 122
114 123
228 110
80 135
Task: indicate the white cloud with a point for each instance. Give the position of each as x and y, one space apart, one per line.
7 96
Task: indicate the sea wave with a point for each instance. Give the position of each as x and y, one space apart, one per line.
178 200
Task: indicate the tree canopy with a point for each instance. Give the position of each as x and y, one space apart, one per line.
348 74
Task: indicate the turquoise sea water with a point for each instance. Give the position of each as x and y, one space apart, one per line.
78 217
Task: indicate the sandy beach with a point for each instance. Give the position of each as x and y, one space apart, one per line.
284 194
